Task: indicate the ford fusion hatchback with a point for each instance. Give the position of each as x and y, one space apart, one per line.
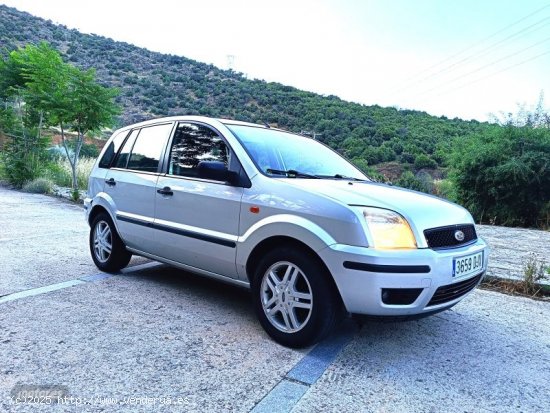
283 215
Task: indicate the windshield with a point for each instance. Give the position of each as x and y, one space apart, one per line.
281 154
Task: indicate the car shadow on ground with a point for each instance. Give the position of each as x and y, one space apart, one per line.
182 286
215 296
180 279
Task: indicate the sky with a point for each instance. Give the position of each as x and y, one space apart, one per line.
470 59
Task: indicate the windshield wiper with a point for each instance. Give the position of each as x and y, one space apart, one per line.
291 173
348 178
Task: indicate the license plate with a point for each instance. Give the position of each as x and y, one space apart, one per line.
467 265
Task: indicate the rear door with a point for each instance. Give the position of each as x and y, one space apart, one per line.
131 181
197 219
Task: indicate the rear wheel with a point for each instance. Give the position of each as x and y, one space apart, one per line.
108 250
294 297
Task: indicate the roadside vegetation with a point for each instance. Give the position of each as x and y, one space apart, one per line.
503 175
39 186
58 172
535 282
40 91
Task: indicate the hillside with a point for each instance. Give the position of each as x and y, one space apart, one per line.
154 84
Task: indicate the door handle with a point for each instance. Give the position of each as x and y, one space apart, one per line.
110 182
165 191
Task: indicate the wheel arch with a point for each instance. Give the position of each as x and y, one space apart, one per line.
280 241
102 202
95 211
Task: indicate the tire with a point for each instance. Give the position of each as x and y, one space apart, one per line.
108 251
294 297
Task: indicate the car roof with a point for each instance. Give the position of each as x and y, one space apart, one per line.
191 118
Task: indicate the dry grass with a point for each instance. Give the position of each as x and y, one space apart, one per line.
512 287
39 186
61 174
534 271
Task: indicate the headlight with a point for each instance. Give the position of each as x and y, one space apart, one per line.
389 230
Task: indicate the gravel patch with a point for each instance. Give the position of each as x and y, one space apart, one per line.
490 353
157 333
43 241
512 247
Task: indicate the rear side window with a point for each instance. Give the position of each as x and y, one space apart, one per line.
147 150
122 159
112 149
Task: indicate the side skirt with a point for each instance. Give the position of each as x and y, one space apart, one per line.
192 269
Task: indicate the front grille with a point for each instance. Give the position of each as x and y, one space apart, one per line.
444 237
451 292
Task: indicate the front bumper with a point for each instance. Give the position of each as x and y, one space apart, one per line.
363 274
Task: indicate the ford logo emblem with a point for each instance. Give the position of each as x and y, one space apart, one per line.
459 235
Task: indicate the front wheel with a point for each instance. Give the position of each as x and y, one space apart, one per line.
108 250
294 297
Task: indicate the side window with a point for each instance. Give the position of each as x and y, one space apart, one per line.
112 149
148 148
122 158
195 147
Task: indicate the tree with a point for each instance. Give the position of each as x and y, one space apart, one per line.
503 175
24 152
422 182
424 161
86 107
55 93
368 170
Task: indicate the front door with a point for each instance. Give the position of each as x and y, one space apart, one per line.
197 219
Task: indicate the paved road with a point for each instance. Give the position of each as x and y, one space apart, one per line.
162 335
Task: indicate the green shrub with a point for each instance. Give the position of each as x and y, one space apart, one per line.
75 195
422 182
83 170
89 150
424 161
60 175
445 189
39 186
503 176
21 167
406 157
59 171
534 271
368 170
3 176
544 217
23 159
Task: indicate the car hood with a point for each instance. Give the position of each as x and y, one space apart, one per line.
422 211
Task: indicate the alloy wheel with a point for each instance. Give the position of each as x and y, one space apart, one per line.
286 297
103 241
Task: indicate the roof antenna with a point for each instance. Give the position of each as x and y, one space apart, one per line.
266 124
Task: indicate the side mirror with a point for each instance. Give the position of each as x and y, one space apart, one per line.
216 171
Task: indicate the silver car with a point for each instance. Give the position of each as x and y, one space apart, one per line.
283 215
